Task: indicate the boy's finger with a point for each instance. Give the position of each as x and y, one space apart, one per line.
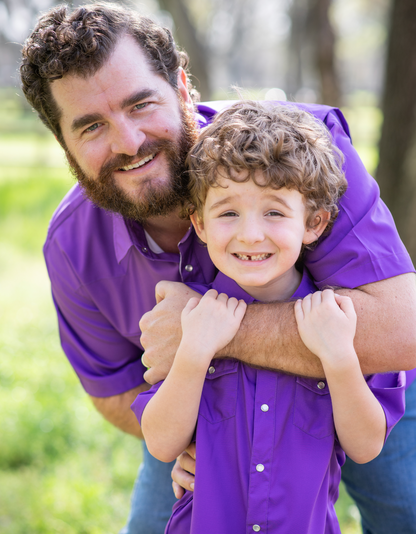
307 303
299 315
316 299
240 310
328 295
346 305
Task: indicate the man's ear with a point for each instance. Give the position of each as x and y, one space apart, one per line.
183 88
316 226
199 226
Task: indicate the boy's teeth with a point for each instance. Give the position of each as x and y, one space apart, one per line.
139 163
252 257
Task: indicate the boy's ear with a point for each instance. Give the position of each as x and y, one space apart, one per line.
199 226
316 226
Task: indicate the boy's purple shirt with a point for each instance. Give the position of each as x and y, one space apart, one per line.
266 448
103 272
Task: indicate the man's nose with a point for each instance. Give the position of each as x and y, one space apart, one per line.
126 139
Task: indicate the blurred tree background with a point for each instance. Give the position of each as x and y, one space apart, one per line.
62 468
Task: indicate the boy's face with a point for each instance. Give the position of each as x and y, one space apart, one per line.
254 235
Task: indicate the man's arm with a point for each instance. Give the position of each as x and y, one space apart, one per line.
268 337
116 410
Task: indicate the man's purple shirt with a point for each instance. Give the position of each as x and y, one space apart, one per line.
268 456
103 272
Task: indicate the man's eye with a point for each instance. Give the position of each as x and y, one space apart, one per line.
92 127
142 105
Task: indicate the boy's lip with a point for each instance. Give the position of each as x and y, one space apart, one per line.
250 256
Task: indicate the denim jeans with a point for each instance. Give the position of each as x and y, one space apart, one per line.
152 498
385 489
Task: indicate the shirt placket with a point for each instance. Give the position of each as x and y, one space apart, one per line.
262 452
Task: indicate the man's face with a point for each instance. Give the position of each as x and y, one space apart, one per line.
127 134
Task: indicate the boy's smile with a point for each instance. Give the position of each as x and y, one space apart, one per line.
255 235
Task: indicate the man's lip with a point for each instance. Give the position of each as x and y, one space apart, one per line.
138 164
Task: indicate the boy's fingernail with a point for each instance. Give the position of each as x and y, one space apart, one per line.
192 486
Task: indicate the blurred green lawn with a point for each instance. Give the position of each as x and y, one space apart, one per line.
63 469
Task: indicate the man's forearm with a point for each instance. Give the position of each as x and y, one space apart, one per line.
385 340
117 410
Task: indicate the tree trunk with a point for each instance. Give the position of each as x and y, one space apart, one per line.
396 172
187 37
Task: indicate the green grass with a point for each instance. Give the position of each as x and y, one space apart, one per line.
63 469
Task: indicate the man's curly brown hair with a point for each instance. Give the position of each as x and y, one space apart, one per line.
289 146
79 42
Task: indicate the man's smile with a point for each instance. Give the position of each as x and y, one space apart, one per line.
138 164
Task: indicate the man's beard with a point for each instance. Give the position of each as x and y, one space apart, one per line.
152 200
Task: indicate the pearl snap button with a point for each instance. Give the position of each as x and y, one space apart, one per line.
189 268
260 468
264 408
256 528
211 370
321 385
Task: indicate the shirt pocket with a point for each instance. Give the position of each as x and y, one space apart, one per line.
219 395
313 408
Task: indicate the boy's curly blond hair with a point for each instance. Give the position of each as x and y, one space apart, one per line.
289 146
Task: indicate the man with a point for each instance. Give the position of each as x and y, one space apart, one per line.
112 88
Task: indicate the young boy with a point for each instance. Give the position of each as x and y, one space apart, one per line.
264 182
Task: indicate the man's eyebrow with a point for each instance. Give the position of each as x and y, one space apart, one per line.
137 97
80 122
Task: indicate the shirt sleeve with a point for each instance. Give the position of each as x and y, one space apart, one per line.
106 362
363 246
389 390
140 403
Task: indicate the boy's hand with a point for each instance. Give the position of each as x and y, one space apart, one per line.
326 323
210 323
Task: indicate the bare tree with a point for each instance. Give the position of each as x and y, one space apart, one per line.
396 172
187 36
312 54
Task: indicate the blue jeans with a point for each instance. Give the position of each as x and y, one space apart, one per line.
152 498
385 489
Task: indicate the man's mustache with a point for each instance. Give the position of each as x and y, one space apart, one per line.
123 160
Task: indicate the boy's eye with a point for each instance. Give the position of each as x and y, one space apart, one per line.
229 214
275 213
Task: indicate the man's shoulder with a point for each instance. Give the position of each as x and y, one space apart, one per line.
76 224
327 114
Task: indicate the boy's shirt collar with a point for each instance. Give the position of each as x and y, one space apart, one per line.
224 284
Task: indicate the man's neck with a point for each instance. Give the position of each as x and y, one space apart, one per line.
167 231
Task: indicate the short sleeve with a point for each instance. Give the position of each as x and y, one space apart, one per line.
389 390
363 246
106 362
140 403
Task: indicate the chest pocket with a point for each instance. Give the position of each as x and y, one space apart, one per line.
313 408
219 395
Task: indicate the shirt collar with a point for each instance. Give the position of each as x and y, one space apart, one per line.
121 236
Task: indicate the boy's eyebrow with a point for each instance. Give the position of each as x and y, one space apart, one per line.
80 122
281 200
272 196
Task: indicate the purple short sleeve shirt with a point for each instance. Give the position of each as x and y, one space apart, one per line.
268 457
103 272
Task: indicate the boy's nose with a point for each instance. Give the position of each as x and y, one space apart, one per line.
250 232
126 139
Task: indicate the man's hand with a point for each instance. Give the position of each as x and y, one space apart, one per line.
161 328
183 472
